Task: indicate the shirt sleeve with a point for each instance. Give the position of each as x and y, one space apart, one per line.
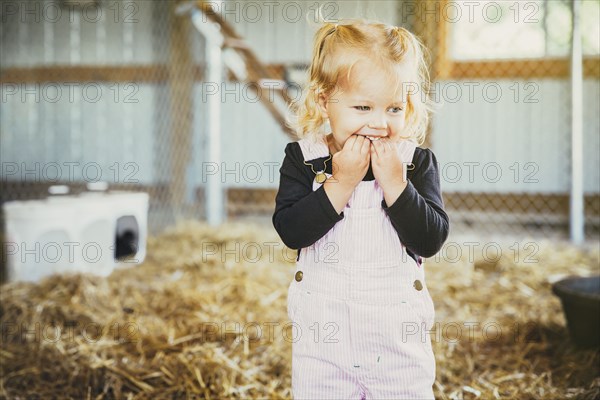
302 216
418 214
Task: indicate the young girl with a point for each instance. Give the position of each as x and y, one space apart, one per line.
362 204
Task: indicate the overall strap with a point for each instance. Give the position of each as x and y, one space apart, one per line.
313 149
406 150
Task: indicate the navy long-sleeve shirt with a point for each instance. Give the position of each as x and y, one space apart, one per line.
303 216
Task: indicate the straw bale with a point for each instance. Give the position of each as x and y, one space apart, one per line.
193 321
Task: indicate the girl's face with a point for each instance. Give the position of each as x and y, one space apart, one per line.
369 104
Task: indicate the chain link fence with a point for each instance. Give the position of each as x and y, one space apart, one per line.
101 91
503 128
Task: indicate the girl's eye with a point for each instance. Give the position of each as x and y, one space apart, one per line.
362 108
395 110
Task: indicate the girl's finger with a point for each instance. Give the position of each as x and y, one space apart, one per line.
359 143
389 145
354 142
375 147
384 144
350 143
365 146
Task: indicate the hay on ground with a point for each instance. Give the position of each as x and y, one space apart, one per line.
205 317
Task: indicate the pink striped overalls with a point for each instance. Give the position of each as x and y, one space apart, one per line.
360 308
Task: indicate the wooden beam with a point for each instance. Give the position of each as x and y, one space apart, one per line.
518 69
537 204
525 69
90 73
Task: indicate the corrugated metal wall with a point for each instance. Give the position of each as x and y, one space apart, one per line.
110 125
37 32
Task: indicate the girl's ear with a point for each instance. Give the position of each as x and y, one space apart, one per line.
322 101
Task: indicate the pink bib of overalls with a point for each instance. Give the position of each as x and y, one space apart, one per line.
359 305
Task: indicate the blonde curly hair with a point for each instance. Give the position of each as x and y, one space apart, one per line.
338 46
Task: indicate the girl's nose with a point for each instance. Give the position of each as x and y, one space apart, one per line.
377 124
377 121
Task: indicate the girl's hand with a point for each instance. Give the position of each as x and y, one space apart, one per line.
350 164
388 169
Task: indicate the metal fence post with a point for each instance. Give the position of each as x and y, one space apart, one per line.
214 64
576 198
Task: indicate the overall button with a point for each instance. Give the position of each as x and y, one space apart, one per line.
298 276
418 285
